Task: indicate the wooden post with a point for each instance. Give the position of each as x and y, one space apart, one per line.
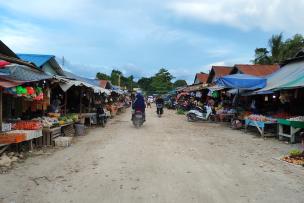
80 100
89 97
1 109
65 102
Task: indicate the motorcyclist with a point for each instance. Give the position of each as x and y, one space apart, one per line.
159 105
139 104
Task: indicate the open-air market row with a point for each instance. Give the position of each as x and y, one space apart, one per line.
43 105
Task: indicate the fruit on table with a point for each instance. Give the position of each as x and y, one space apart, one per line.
299 118
61 122
27 125
261 118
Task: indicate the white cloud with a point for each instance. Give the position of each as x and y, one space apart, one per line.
20 36
271 15
54 9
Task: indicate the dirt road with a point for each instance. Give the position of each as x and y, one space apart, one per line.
167 160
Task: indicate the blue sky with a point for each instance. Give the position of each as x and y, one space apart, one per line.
141 36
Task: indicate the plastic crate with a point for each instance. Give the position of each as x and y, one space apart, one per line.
12 138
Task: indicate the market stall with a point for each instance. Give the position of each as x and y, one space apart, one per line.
260 122
290 127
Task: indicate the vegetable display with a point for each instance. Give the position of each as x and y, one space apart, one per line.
261 118
27 125
299 118
295 157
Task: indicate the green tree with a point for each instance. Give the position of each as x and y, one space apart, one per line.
161 82
276 45
293 46
279 50
179 83
116 77
262 56
145 84
102 76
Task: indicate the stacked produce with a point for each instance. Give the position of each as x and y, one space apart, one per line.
70 118
48 122
27 125
261 118
299 118
283 115
295 157
244 115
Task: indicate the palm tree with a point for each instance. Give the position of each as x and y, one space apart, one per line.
276 45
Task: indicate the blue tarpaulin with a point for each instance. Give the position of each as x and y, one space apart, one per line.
241 81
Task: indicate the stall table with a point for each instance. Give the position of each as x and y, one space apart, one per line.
18 136
294 127
260 125
49 134
89 116
68 130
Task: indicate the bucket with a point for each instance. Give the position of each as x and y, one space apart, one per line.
79 129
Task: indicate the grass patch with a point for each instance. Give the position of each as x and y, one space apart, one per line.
180 112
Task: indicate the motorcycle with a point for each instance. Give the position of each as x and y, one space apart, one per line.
138 119
159 110
198 113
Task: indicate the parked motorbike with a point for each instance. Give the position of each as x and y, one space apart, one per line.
171 105
160 109
198 113
138 119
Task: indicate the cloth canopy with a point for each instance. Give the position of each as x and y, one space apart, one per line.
216 88
66 84
241 81
194 88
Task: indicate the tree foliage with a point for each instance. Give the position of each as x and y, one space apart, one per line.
102 76
161 82
179 83
145 84
278 49
117 78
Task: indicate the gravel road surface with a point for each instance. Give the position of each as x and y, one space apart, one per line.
167 160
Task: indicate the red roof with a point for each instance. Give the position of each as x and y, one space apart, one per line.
103 83
202 77
257 70
221 70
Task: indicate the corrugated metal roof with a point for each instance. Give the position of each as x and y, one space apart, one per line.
6 51
66 83
7 83
83 79
24 73
289 76
257 69
37 59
